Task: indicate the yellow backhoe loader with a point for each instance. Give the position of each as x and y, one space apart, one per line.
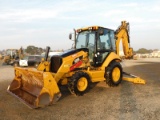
12 55
93 59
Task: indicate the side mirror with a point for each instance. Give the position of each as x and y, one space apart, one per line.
70 36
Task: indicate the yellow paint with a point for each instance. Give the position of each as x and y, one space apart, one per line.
112 56
82 84
44 65
96 76
116 74
134 80
88 28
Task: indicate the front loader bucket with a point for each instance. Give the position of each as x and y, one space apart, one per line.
34 88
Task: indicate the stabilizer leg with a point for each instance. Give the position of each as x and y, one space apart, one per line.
132 78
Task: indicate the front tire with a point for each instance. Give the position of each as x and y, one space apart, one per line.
79 83
113 74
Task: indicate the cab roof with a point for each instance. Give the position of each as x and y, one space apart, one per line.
94 28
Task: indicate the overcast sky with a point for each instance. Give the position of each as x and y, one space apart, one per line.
48 22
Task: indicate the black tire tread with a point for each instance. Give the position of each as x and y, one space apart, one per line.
72 83
108 73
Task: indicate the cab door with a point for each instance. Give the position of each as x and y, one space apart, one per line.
105 44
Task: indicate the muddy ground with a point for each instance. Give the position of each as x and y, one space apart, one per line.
128 101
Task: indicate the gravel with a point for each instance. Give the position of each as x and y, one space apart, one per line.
127 101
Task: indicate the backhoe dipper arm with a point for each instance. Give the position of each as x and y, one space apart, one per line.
122 33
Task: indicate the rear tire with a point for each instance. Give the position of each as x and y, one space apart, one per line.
113 74
79 83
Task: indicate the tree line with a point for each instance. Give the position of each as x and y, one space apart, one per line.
37 50
144 50
33 50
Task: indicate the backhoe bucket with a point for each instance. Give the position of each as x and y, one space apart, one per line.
34 88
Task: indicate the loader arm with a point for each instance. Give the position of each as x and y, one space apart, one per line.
39 87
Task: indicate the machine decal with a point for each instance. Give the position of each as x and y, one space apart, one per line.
79 63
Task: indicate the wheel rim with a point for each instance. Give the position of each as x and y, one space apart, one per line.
82 84
116 74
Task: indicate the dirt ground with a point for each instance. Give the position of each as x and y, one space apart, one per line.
128 101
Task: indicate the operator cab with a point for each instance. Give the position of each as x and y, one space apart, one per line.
100 42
